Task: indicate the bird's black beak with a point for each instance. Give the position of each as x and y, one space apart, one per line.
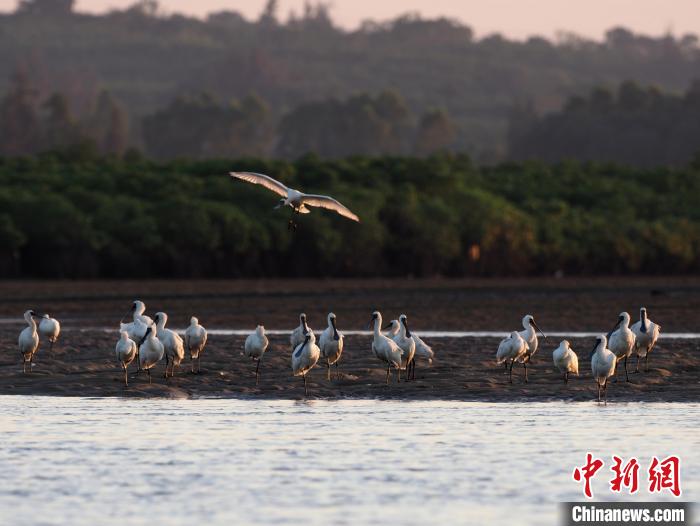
536 327
619 321
595 346
336 337
405 325
148 331
386 326
370 325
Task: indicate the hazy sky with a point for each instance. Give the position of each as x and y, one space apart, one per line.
516 18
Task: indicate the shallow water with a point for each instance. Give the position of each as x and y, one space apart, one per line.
215 461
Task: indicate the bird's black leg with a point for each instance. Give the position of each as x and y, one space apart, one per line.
510 378
627 376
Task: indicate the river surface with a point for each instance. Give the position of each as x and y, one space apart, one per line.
84 461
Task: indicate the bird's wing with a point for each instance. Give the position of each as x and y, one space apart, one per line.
323 201
263 180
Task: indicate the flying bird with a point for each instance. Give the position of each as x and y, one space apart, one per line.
298 201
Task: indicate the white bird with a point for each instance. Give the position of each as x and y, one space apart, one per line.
331 344
512 348
195 340
406 343
172 343
621 341
646 333
126 351
28 341
255 347
298 201
602 365
49 328
150 351
136 329
305 357
565 359
385 348
530 337
423 350
299 333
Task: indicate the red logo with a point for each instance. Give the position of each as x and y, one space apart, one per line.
663 475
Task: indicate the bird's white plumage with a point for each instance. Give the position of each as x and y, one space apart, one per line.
621 341
299 333
405 342
136 329
565 359
512 347
49 328
530 336
331 342
384 348
256 343
263 180
173 345
28 340
195 338
151 350
423 350
294 198
646 333
602 364
323 201
126 352
305 355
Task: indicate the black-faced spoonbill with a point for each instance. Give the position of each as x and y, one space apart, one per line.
49 329
195 340
565 360
298 201
28 341
173 345
136 329
255 347
150 351
406 343
530 337
331 345
305 357
298 335
385 348
602 365
621 342
126 351
512 348
646 333
423 350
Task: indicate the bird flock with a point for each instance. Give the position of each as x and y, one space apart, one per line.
146 341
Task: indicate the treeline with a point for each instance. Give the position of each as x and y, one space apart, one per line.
295 61
200 127
632 125
30 124
72 214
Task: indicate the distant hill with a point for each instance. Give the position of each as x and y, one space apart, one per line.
146 61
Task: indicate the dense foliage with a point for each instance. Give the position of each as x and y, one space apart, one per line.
147 60
644 127
73 214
